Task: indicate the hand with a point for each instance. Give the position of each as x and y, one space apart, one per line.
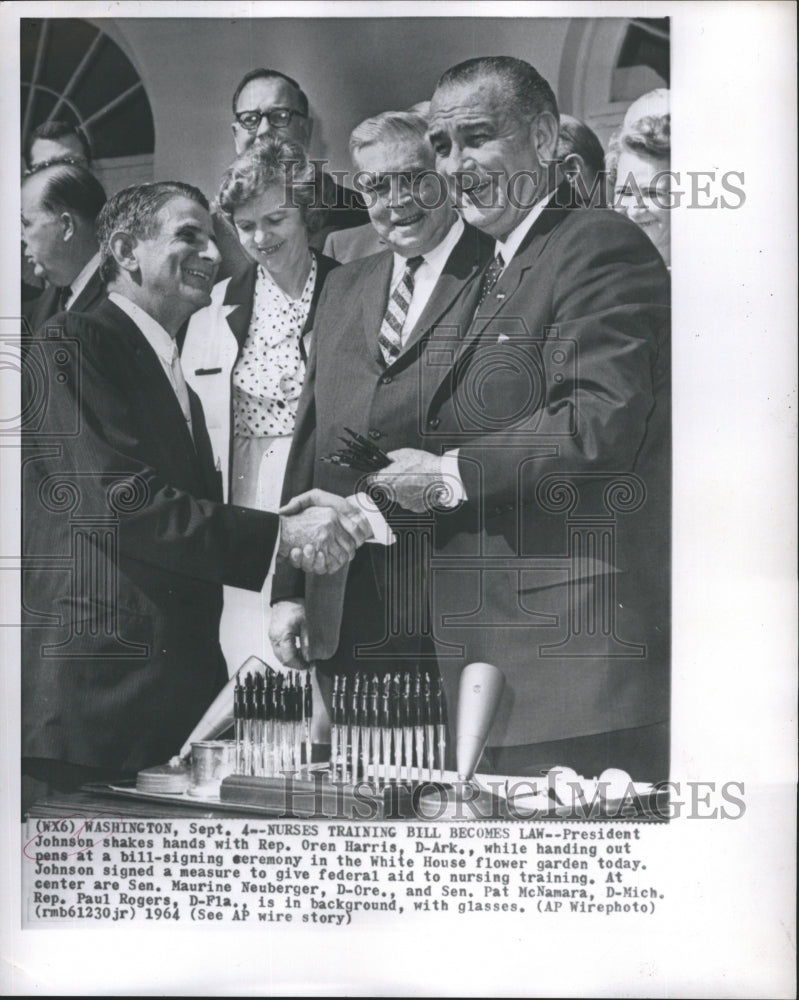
288 630
414 479
320 532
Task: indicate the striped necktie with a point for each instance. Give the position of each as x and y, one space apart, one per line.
491 277
390 338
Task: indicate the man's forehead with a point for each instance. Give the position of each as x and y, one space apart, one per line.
394 156
181 211
32 190
472 99
268 92
66 145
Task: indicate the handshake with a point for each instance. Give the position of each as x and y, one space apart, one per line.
321 532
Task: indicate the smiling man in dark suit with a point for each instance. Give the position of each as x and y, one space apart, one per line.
126 543
555 412
376 321
60 205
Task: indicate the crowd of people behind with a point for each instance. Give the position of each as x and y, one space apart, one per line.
277 287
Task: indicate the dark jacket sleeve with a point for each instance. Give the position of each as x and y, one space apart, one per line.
164 521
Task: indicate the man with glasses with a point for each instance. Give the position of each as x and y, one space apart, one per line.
269 104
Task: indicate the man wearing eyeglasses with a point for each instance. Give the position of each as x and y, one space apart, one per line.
269 104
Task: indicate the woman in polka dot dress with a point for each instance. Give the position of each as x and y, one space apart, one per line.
244 354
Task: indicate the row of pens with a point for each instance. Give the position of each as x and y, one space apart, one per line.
383 729
389 728
272 715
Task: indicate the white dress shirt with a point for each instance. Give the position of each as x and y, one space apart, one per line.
160 341
513 240
426 276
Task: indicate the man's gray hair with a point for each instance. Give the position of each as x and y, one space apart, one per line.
133 210
526 92
389 126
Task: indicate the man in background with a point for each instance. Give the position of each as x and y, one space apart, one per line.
60 205
267 103
57 140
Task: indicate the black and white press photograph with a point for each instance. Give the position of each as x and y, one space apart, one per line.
380 503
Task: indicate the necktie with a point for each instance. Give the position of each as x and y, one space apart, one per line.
390 338
490 278
179 385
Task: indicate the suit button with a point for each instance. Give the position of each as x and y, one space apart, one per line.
375 435
386 380
432 424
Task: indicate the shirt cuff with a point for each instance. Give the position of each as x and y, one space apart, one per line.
381 533
456 491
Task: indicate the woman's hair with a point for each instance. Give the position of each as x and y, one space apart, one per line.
271 163
649 136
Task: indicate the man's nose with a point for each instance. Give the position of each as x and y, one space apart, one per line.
454 162
264 128
211 252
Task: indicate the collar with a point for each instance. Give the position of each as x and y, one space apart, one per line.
511 243
82 279
438 256
155 335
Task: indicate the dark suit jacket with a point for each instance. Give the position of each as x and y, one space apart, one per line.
347 384
345 245
126 547
344 209
37 311
557 394
557 567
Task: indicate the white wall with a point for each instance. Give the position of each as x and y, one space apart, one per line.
350 68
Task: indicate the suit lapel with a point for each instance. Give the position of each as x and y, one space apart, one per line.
92 293
155 387
240 293
511 279
374 299
468 256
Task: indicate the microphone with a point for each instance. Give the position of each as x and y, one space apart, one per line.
481 687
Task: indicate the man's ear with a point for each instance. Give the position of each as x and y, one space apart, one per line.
545 136
67 224
572 166
123 249
308 132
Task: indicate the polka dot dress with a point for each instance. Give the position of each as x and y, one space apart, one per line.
268 376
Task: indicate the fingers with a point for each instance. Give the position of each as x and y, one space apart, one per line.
319 539
313 498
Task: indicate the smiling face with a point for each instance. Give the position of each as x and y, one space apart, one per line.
177 265
407 203
270 94
272 231
643 189
491 157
